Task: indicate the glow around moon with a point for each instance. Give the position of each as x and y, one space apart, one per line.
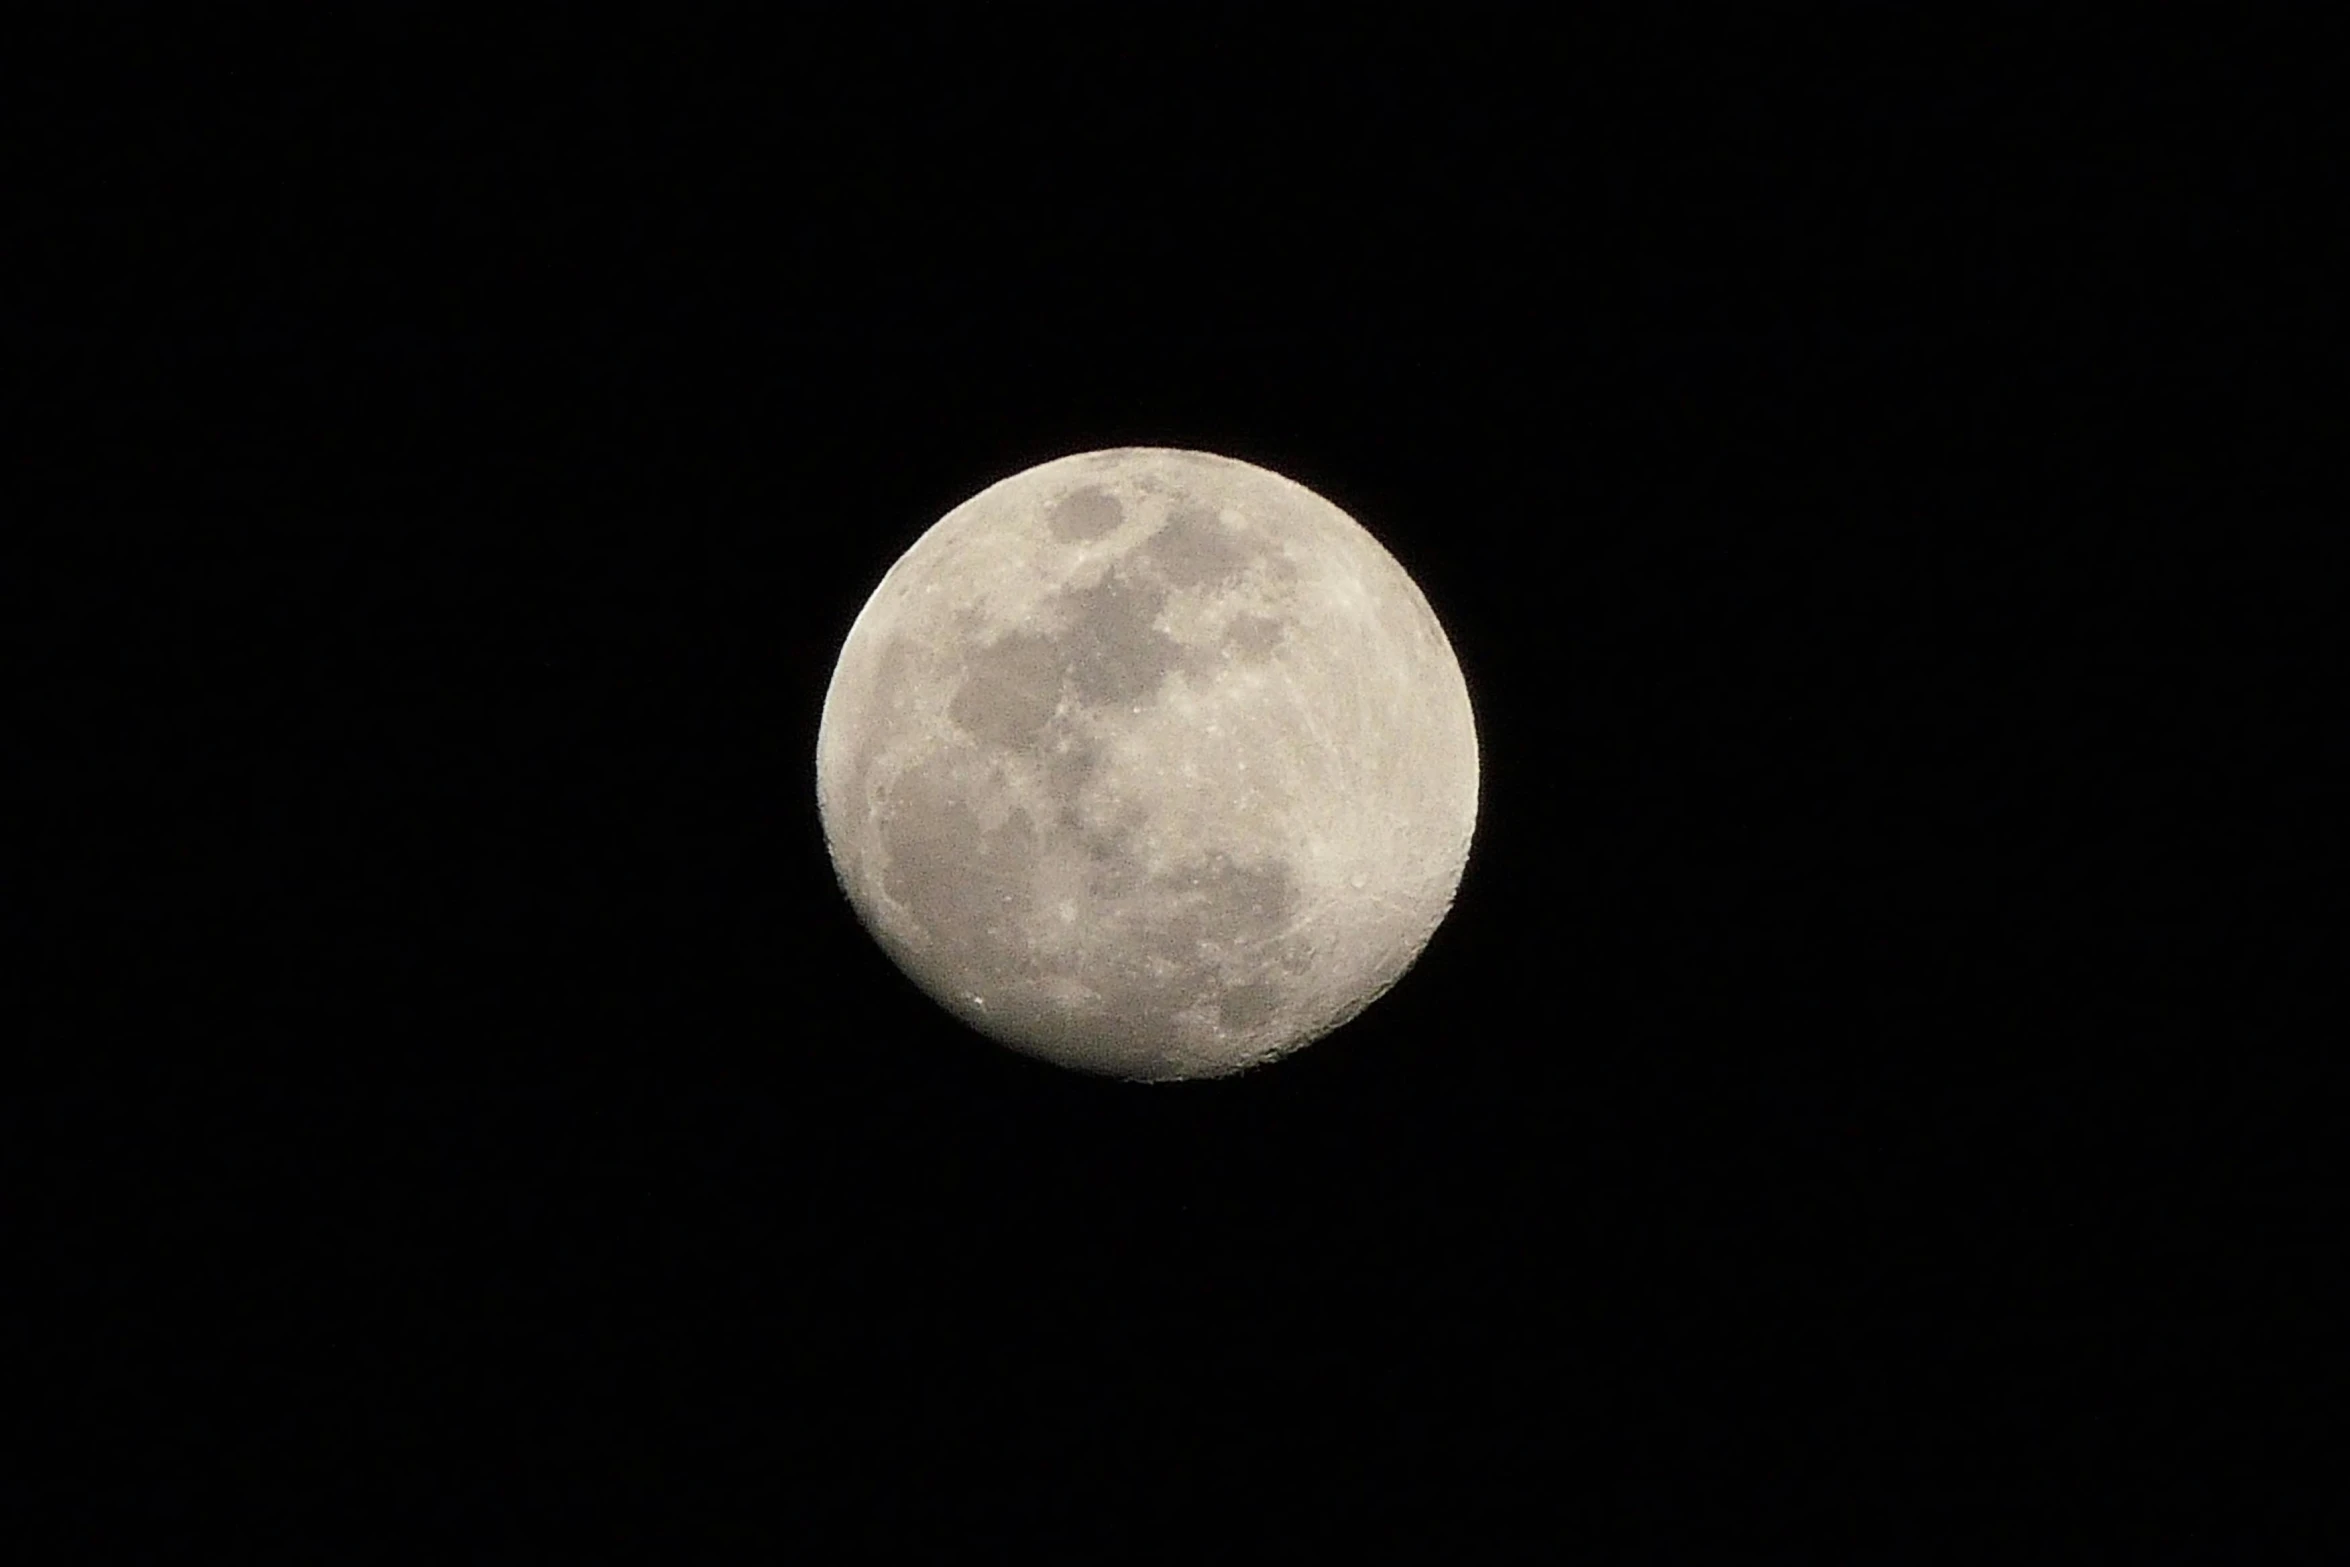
1149 762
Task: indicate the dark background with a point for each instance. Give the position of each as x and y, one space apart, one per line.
1857 1095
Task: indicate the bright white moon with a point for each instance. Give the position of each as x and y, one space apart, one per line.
1149 762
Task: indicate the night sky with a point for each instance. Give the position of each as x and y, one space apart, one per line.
1856 1096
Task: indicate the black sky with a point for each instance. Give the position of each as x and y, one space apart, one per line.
1855 1087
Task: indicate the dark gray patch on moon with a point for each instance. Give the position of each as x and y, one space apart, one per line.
1246 1006
1206 937
1252 636
1115 650
1194 549
1111 869
1214 906
964 884
1209 918
1071 761
1085 514
1239 902
1009 692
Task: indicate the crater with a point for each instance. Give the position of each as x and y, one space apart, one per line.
1084 514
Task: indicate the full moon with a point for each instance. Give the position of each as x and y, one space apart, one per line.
1148 762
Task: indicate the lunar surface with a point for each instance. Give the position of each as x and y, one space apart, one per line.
1149 762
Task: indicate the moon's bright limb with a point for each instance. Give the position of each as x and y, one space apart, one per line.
1149 762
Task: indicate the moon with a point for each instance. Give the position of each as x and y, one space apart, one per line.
1149 762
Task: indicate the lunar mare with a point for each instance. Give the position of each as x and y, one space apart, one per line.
1149 762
